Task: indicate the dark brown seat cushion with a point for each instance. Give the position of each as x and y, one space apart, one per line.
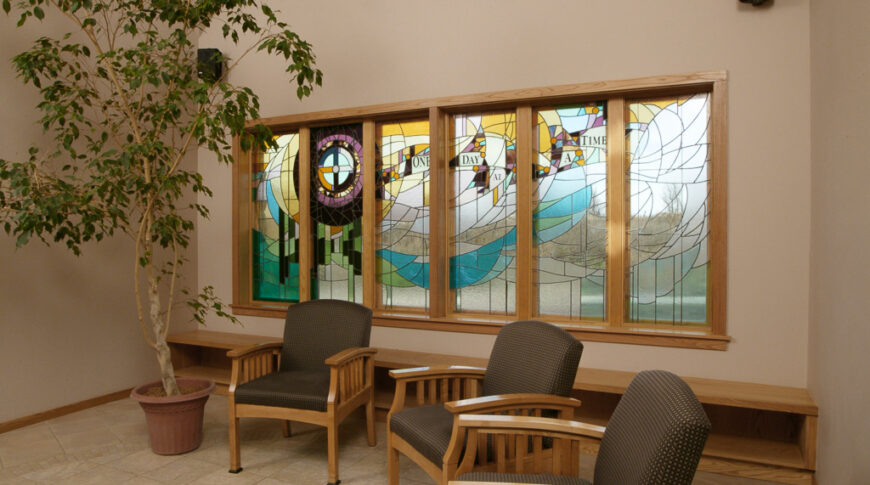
426 428
525 478
298 389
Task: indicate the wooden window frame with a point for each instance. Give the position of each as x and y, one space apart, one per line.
439 316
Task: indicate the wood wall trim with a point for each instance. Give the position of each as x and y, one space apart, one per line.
534 96
63 410
438 220
371 296
238 246
624 335
617 213
306 248
525 248
719 210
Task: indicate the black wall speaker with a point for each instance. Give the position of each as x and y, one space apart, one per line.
209 64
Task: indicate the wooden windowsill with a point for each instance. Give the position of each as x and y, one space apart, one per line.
661 337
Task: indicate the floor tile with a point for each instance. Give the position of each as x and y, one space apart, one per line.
140 480
274 481
99 475
30 452
8 478
108 444
94 438
25 435
222 477
58 472
184 470
72 423
132 433
142 461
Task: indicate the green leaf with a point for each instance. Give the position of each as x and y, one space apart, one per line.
37 11
6 6
23 238
268 12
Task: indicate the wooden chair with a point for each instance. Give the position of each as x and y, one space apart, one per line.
320 374
655 436
531 371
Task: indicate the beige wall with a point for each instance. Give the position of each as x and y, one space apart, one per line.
68 328
66 323
840 327
384 51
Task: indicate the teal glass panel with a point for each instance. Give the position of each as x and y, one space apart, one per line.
274 237
570 219
483 169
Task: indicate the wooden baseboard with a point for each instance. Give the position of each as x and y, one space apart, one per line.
63 410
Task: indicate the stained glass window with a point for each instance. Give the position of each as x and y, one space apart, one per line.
275 230
483 265
668 152
402 181
634 242
570 219
336 210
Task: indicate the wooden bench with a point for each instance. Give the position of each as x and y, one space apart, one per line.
759 431
203 353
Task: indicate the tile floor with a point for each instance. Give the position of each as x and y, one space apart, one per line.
108 444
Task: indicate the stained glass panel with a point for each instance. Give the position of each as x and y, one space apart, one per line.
336 210
667 147
570 219
483 263
276 224
403 215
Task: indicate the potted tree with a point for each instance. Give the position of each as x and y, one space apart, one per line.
124 101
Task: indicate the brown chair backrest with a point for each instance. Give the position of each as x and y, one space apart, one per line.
655 435
532 357
317 329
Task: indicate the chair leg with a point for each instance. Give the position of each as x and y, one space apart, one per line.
235 448
370 422
392 462
332 452
286 428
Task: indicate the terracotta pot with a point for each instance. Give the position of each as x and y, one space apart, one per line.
174 422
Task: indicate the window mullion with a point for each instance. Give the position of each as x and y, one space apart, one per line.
617 212
304 194
438 213
369 275
526 297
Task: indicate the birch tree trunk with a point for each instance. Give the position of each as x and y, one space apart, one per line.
158 325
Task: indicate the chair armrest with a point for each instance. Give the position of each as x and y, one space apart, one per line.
437 371
531 423
486 404
245 351
436 384
351 376
249 363
349 354
517 442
